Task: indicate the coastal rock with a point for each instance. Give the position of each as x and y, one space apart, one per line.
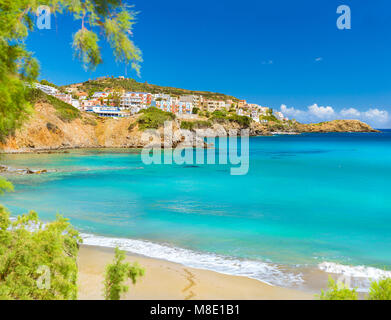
7 169
44 131
336 126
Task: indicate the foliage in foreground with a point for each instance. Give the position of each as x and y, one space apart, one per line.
37 261
113 20
153 118
338 291
116 275
5 186
380 290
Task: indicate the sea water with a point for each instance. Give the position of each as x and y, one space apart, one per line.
317 201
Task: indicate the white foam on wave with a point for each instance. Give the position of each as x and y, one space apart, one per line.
266 272
355 271
360 277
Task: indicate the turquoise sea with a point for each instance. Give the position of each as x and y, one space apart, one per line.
308 202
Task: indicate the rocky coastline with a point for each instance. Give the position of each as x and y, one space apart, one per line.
46 132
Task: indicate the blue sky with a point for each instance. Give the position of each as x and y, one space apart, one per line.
287 55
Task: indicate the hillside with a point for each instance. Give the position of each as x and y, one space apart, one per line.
336 126
133 85
55 125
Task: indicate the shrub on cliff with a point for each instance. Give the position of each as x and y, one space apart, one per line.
153 118
193 125
241 120
269 117
222 116
64 111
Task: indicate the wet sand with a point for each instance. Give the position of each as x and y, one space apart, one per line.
165 280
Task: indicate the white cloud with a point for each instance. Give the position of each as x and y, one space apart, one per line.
318 59
314 113
321 112
380 116
350 113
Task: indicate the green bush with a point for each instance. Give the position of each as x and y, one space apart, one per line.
193 125
222 116
380 290
37 264
195 110
153 118
116 275
47 83
241 120
5 186
269 117
338 291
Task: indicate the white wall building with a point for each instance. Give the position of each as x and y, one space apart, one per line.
98 95
279 115
110 112
212 105
135 101
75 103
47 89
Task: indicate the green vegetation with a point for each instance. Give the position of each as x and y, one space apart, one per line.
133 85
18 68
116 275
115 98
65 111
338 291
195 110
241 120
153 118
47 83
269 117
5 186
198 124
380 290
221 116
38 264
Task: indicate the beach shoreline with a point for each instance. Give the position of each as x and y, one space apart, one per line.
166 280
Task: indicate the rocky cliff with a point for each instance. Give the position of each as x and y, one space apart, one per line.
336 126
46 130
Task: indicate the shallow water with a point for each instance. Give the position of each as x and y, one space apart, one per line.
306 200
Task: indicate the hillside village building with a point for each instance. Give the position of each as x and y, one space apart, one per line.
133 102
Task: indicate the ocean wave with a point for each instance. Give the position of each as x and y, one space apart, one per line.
266 272
355 271
359 277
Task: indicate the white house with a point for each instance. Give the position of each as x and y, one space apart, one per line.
47 89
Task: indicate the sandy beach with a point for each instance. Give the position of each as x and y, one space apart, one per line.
164 280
